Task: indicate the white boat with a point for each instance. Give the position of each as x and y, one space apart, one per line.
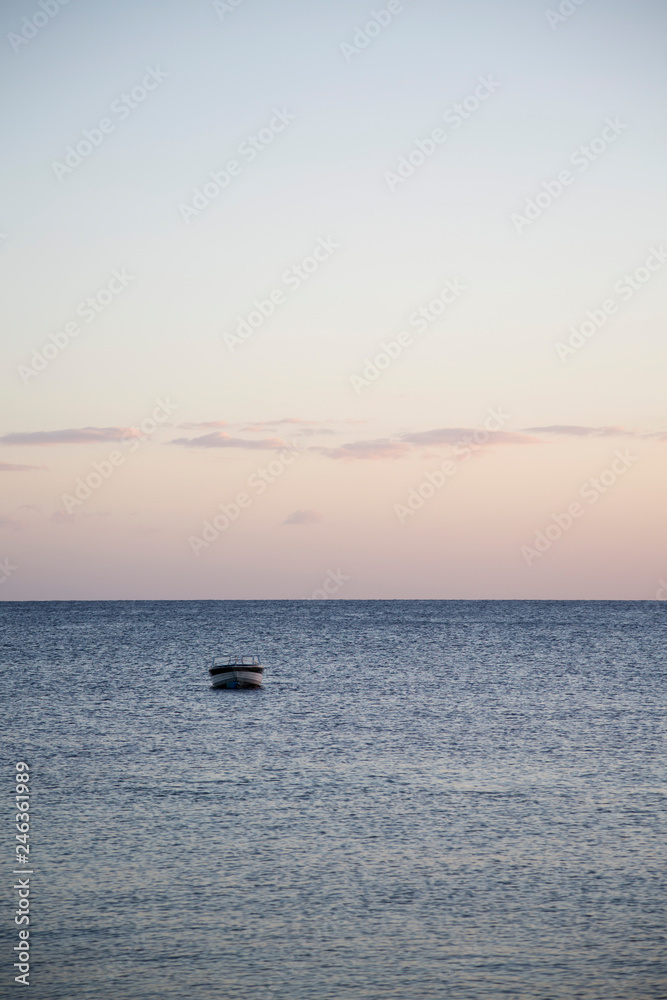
236 671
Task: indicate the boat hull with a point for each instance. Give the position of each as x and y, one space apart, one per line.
237 677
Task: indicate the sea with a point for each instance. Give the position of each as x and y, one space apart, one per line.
461 800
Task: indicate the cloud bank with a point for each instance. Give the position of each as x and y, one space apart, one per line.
9 467
220 439
81 435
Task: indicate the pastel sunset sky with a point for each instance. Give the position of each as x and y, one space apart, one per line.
333 291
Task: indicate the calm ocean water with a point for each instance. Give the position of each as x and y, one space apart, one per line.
428 799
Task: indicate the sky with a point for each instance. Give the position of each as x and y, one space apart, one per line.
333 300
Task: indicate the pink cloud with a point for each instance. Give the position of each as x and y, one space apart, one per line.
406 443
456 435
299 517
576 430
82 435
222 440
205 423
306 427
380 448
8 467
